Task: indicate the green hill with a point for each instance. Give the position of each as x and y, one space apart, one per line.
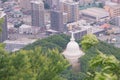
60 42
92 52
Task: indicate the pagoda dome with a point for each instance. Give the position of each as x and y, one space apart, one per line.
72 52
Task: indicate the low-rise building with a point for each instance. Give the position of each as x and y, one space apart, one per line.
96 14
27 29
82 28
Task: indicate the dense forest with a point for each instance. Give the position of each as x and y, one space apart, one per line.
90 45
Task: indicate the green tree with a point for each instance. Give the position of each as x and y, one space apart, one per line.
20 66
4 63
32 65
88 41
15 66
104 67
1 21
52 42
48 65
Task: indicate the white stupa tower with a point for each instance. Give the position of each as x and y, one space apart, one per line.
73 53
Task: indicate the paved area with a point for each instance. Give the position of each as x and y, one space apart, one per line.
29 36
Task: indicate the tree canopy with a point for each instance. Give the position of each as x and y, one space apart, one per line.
52 42
104 67
35 63
88 41
42 61
32 65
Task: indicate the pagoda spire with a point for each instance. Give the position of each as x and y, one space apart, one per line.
72 36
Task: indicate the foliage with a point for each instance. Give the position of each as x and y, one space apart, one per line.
104 67
93 51
88 41
32 65
1 21
70 75
52 42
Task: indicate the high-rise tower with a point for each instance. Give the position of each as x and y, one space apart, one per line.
3 25
58 20
37 13
72 9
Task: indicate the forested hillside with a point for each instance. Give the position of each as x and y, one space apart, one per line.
43 60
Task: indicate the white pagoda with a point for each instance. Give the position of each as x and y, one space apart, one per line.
73 53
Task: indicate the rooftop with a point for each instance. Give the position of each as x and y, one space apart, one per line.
95 12
2 14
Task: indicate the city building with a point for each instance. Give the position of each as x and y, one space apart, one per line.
37 14
82 28
72 10
86 2
58 20
72 53
25 5
116 21
116 1
113 9
27 29
95 14
4 33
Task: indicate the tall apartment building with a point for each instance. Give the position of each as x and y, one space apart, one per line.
114 10
72 9
4 33
58 20
37 15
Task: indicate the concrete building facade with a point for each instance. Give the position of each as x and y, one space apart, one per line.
114 10
37 13
72 9
57 20
25 5
4 33
96 14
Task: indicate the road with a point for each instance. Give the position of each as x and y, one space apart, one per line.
29 36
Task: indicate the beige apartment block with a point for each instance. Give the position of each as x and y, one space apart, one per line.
114 10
